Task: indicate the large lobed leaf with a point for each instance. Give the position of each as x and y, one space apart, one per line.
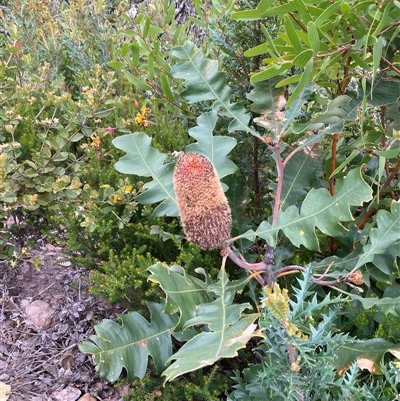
143 160
207 348
216 148
183 291
368 354
227 329
383 236
129 345
318 210
204 82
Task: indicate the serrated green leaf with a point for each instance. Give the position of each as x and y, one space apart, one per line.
129 345
216 148
205 82
319 210
228 329
368 354
386 233
184 293
217 314
143 160
207 348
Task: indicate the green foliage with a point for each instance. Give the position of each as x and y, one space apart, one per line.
196 312
199 385
297 108
123 278
115 347
321 210
308 334
328 96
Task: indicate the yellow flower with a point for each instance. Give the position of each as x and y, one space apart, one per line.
141 119
138 119
128 189
117 198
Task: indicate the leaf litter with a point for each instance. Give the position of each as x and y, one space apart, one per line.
44 315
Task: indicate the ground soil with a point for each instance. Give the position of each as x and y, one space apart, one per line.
40 359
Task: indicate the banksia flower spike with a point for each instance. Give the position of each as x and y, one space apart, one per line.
203 207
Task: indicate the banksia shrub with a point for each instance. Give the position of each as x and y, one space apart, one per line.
204 209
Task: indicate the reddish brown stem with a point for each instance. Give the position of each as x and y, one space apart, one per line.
346 80
332 182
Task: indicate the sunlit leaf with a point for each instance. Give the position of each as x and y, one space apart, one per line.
228 330
313 36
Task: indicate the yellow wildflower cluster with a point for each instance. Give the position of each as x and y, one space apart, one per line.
117 198
96 141
121 194
141 117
